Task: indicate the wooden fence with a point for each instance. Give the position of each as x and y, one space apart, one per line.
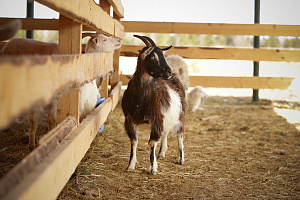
28 81
222 53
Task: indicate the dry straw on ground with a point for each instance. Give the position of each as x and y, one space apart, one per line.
234 149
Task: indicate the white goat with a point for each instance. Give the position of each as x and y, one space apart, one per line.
195 97
89 92
180 68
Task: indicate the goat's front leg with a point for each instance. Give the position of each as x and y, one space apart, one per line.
154 138
131 131
153 162
133 159
180 158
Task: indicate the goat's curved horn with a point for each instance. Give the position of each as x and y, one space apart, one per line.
148 41
167 48
89 34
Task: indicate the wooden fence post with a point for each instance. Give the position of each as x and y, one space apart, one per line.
115 76
70 36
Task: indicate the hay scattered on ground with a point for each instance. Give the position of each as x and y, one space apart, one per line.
234 149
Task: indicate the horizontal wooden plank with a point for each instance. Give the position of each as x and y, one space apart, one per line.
118 7
47 144
34 80
235 82
50 175
53 24
212 28
242 82
86 12
224 53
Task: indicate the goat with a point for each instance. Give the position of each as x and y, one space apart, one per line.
195 97
180 68
156 95
89 91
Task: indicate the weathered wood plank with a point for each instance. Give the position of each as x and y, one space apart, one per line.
118 7
70 42
86 12
27 81
53 24
242 82
235 82
224 53
115 94
46 145
212 28
49 176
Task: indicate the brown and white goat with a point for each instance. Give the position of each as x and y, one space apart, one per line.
155 95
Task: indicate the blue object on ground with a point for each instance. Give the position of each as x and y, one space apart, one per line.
100 100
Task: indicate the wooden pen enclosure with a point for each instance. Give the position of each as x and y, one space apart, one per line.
32 81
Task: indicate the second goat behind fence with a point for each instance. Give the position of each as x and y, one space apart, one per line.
155 95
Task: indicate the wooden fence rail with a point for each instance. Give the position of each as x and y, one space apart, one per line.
212 28
278 55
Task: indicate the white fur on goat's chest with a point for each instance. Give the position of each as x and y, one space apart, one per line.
172 113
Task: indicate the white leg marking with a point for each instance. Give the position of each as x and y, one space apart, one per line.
180 149
133 159
153 162
163 147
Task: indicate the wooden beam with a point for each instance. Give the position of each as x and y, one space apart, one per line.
212 28
41 78
115 94
118 7
104 86
45 24
50 175
85 12
235 82
70 37
224 53
105 6
242 82
47 144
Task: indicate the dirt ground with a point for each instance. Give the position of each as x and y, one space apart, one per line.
234 149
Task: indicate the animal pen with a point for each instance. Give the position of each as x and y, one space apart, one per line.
42 78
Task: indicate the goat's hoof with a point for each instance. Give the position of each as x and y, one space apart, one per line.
161 157
151 171
180 161
129 169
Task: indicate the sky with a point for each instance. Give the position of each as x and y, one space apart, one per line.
201 11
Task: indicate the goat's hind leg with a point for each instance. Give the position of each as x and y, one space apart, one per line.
131 132
180 158
163 147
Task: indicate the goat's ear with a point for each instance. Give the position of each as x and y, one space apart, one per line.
95 40
167 48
